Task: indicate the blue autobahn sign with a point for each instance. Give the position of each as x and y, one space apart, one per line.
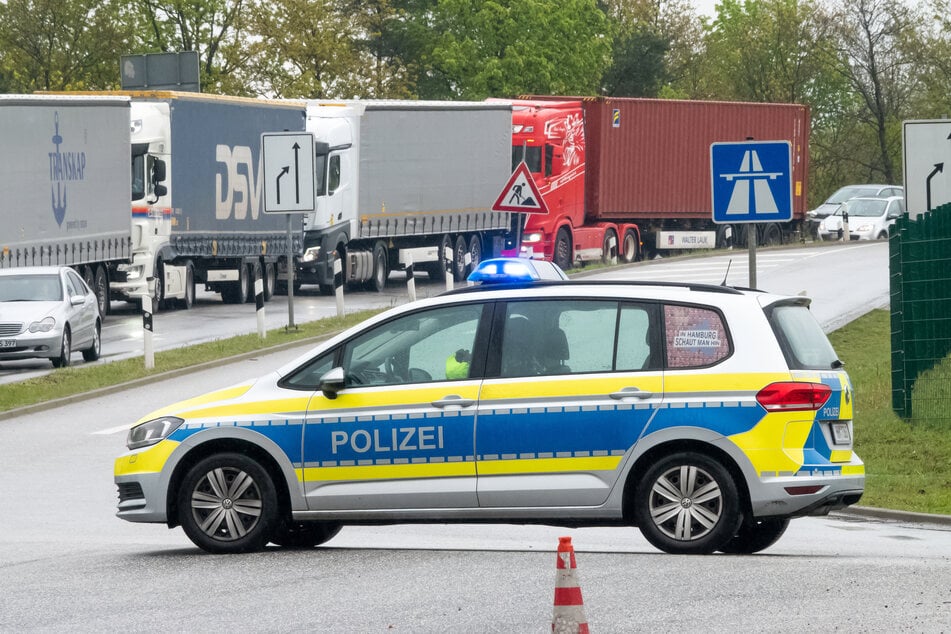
751 181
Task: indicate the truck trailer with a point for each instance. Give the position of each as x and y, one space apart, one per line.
64 185
197 204
623 177
405 179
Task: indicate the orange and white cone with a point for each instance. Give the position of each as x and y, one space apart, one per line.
568 615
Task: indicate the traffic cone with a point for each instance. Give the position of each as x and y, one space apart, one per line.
568 615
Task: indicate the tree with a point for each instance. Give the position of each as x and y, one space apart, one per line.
882 73
215 29
503 48
62 44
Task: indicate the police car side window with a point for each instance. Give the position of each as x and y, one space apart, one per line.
553 337
431 345
308 376
634 339
696 337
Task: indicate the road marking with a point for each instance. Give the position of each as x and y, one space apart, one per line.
113 430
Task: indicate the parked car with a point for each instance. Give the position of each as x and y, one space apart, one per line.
845 193
47 312
869 218
705 415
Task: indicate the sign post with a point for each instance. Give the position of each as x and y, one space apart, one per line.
288 167
751 182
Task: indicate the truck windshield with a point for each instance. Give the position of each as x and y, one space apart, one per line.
532 156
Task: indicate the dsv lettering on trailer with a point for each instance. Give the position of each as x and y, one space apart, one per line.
378 441
237 190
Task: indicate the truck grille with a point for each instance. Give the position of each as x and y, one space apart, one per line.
10 328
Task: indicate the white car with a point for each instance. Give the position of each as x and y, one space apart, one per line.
869 218
47 312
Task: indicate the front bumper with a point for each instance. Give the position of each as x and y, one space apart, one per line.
34 345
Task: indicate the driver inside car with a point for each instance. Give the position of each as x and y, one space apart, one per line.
457 365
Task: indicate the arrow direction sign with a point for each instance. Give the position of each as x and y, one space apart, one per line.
926 147
288 165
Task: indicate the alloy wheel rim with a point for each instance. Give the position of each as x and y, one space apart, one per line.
226 504
686 503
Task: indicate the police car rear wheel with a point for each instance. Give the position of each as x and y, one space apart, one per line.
305 534
756 535
228 504
687 504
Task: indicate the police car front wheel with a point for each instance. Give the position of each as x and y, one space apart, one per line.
687 503
228 504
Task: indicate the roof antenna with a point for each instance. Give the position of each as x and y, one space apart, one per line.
728 263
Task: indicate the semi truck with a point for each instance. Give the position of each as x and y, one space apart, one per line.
197 206
64 189
401 181
624 177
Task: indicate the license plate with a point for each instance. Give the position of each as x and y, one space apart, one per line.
8 343
840 434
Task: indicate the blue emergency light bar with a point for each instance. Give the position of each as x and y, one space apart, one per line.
515 271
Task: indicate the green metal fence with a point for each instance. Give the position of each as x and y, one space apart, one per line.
920 288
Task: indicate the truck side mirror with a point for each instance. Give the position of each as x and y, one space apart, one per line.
158 176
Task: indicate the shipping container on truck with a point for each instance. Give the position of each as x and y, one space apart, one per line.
64 186
618 173
197 197
399 179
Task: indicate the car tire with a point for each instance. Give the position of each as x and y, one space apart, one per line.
93 351
299 535
65 352
883 235
687 504
756 535
227 503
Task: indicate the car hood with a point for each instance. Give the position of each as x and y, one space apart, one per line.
29 311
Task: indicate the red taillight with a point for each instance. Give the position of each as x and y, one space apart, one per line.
793 397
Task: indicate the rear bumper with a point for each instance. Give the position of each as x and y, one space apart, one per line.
809 494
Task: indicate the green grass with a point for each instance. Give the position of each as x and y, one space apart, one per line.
85 378
908 464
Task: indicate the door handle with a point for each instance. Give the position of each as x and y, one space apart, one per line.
631 392
453 400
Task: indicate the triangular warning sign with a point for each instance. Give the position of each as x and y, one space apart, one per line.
520 194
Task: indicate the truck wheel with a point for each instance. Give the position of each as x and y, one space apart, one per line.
236 292
562 254
228 504
475 251
437 269
377 281
189 300
687 503
270 280
772 236
101 289
629 247
459 268
609 247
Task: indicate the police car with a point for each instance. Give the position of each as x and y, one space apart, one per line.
706 416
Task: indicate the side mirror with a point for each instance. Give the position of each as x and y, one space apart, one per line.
158 177
332 382
77 300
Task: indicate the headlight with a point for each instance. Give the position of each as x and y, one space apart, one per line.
532 237
864 228
311 254
151 432
133 273
43 326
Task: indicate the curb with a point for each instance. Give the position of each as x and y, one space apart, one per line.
868 512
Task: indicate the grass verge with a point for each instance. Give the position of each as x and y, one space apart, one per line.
908 464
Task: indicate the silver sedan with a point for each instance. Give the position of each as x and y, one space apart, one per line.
47 312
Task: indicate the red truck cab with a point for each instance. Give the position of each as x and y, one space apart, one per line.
549 136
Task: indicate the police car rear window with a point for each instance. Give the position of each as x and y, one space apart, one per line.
696 337
801 338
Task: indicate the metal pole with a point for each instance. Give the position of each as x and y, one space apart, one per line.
290 273
751 241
